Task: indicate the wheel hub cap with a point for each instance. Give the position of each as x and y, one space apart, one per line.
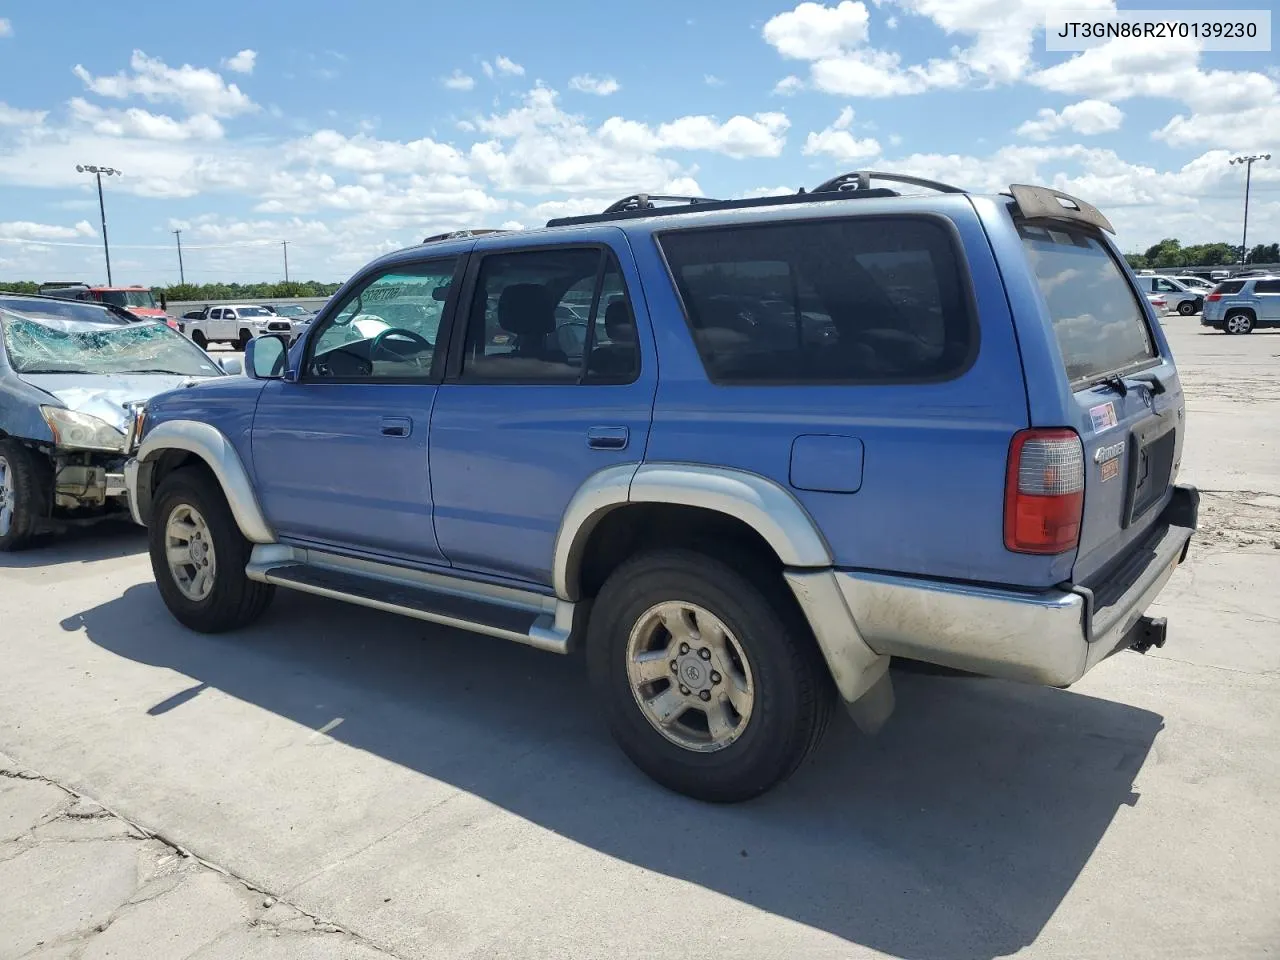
690 676
189 552
6 496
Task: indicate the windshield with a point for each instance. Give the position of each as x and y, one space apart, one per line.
243 312
68 309
129 298
291 310
62 346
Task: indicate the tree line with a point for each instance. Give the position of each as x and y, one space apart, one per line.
184 292
1170 253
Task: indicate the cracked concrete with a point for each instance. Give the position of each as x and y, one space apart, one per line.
78 882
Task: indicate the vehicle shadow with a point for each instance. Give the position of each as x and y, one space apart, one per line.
954 833
79 544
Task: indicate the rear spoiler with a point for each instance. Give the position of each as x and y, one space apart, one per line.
1045 203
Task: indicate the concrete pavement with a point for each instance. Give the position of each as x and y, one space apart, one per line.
444 795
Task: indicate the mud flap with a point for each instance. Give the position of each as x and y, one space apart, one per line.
871 710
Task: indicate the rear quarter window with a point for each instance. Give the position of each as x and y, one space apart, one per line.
1097 320
858 300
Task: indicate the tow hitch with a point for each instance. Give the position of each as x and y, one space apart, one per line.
1148 632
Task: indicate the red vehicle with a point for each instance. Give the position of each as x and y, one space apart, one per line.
137 300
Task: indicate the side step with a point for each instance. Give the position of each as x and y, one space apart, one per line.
521 616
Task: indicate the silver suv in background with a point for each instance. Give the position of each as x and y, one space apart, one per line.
1242 306
1177 295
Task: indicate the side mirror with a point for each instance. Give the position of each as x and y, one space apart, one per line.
266 358
232 365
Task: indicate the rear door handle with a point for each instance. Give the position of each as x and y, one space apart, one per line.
396 426
608 438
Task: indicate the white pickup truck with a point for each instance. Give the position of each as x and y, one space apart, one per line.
236 323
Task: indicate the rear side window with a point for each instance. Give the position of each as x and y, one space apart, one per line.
1231 286
866 300
1097 321
1267 286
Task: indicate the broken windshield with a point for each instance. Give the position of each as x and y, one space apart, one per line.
67 346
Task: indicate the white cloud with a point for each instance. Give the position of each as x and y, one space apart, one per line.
1088 117
242 62
487 68
365 154
1249 129
755 192
197 89
711 80
6 28
761 135
892 23
600 86
16 117
459 81
26 230
135 122
509 67
838 142
788 86
812 31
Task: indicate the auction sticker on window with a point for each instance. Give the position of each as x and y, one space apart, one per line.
1067 29
1103 415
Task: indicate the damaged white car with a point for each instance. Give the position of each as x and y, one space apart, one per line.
73 390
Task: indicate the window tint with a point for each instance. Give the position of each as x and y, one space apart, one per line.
1164 286
1267 286
536 314
1231 286
387 329
845 301
1097 321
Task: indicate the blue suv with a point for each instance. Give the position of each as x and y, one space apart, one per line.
741 452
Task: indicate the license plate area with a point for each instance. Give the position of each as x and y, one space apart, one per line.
1150 468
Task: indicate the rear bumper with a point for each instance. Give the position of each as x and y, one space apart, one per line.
1052 637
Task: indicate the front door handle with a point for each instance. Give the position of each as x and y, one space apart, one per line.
608 438
396 426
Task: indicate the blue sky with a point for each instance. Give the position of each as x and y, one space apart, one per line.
352 133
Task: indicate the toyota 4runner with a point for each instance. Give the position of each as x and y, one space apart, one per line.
742 452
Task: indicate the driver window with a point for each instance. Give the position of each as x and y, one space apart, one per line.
387 329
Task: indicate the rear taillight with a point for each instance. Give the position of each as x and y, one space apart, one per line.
1044 492
1213 298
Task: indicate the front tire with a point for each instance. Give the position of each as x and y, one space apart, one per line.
243 342
706 675
24 488
1187 308
1238 323
198 556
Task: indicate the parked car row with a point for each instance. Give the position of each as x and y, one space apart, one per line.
1243 305
238 323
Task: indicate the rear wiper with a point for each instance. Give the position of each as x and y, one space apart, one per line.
1115 382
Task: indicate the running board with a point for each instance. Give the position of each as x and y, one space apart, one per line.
510 613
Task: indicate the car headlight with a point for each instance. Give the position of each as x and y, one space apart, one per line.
81 431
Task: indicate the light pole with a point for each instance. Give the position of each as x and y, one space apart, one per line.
182 277
1248 162
102 210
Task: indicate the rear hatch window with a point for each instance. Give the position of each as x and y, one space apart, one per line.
1097 320
1231 286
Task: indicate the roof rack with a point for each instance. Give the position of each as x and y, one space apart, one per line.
462 234
644 201
1033 203
861 180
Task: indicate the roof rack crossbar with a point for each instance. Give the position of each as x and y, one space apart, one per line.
861 180
644 201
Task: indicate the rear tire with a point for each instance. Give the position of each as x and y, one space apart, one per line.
200 340
24 492
209 592
1239 322
748 650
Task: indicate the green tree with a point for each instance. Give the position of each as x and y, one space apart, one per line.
1166 253
1264 253
1136 261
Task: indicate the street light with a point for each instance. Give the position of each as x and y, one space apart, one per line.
1248 177
100 172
